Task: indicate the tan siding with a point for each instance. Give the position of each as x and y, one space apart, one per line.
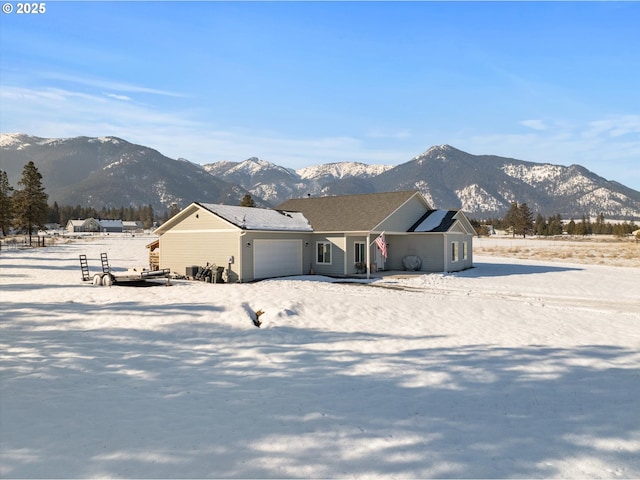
404 217
179 250
203 220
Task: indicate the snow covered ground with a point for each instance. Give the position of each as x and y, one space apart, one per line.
514 368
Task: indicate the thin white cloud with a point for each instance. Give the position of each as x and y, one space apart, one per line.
614 126
54 112
104 84
118 97
534 124
609 146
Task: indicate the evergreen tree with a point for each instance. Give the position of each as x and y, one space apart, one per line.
54 213
599 225
571 227
247 201
541 225
555 225
519 219
525 220
174 210
30 203
6 203
584 227
510 220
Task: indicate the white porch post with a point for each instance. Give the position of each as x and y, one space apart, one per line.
368 266
446 252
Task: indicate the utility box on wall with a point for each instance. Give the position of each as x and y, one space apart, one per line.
191 272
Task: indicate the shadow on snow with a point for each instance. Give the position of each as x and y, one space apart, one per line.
208 400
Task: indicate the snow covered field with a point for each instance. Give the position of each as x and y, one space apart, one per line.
515 368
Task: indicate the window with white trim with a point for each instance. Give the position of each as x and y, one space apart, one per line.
454 252
323 250
360 252
465 250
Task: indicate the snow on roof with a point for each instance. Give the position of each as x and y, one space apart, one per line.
110 223
252 218
432 221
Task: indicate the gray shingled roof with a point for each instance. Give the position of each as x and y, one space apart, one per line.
348 213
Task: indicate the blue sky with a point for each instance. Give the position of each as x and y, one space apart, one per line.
302 83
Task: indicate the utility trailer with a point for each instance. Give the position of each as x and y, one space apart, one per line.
132 277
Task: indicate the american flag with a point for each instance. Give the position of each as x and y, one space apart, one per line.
382 244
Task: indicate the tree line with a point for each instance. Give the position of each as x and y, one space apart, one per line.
519 221
26 208
62 214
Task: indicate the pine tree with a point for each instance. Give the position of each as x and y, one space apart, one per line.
54 213
525 220
555 225
30 203
519 219
598 226
541 226
247 201
584 227
510 220
174 210
6 203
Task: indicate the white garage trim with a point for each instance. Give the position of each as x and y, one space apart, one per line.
277 258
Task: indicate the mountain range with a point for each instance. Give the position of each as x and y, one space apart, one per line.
111 172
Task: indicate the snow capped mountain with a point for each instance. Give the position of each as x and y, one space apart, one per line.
13 140
111 172
263 180
341 170
108 171
438 152
275 184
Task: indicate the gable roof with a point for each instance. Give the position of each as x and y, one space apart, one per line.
435 221
253 218
349 213
245 218
441 221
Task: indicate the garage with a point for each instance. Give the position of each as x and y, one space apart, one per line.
277 258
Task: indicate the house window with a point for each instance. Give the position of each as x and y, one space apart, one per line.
324 252
454 251
359 252
465 251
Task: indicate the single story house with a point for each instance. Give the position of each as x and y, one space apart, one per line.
85 225
93 225
339 235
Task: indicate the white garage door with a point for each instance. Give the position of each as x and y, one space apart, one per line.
277 258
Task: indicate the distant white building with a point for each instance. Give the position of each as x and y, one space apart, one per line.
128 226
94 226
